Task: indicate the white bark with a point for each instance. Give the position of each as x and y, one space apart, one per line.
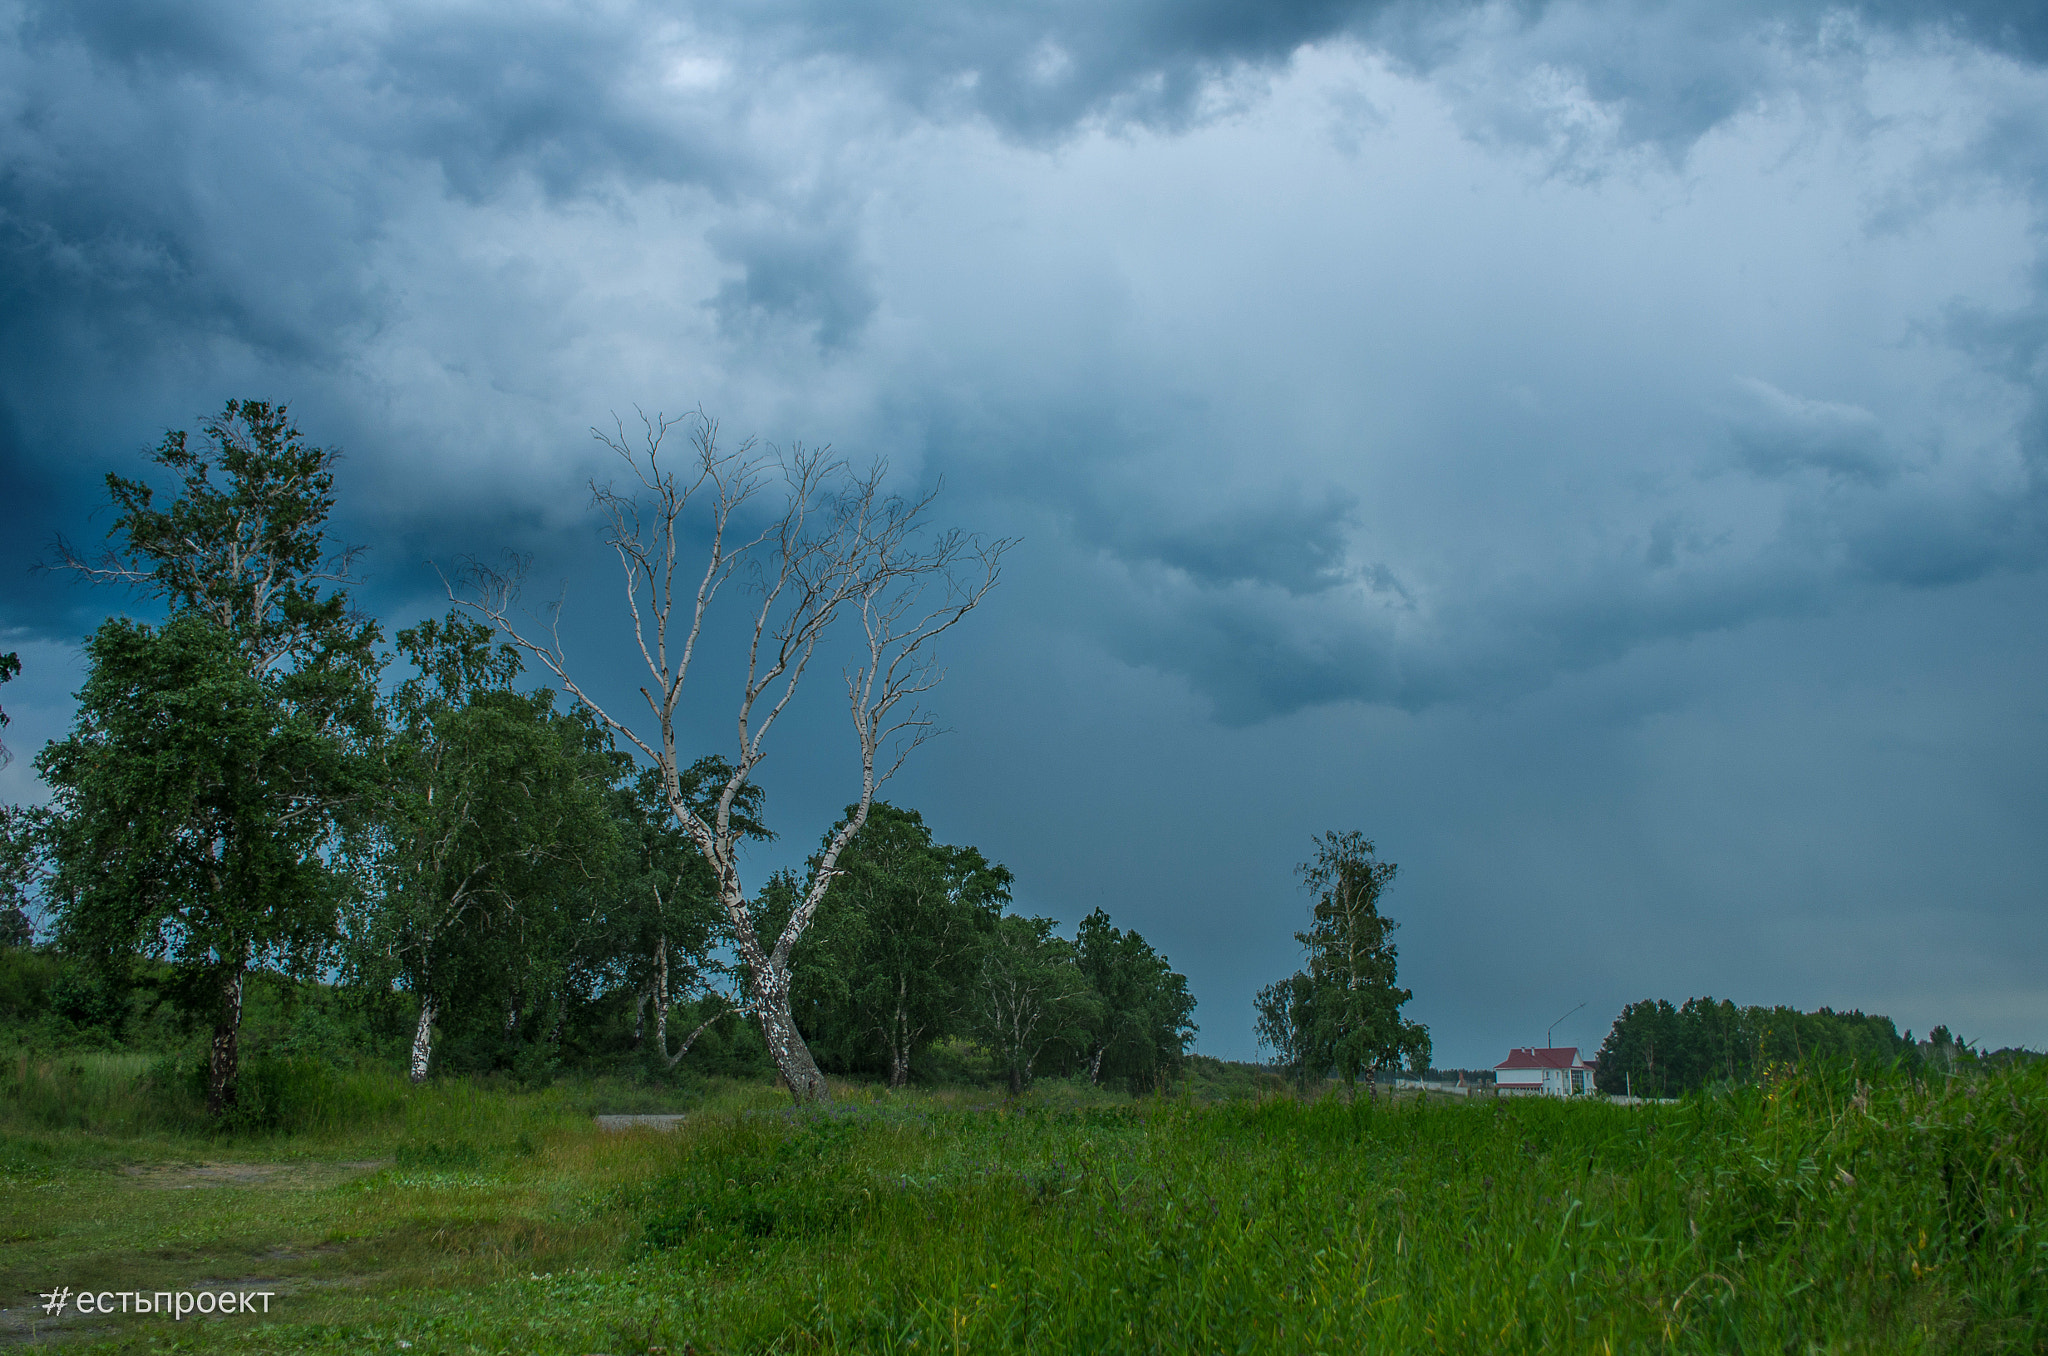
423 1039
223 1060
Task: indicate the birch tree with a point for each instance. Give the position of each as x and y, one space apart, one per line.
494 813
1030 996
202 794
668 923
1144 1015
892 967
1342 1012
193 821
812 544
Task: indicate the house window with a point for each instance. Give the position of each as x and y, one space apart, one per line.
1578 1081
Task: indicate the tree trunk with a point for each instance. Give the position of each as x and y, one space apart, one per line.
423 1039
661 998
1095 1066
639 1017
224 1056
899 1039
786 1047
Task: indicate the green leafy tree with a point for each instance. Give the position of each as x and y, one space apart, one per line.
1641 1048
1143 1012
25 870
494 826
891 965
201 799
244 544
1342 1014
195 814
1031 998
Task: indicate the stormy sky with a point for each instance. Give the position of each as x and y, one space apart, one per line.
1598 449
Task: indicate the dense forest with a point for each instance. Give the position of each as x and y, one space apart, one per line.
275 834
1657 1050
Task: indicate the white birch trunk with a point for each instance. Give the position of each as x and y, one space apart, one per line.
661 1001
423 1039
223 1057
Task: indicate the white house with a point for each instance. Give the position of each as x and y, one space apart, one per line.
1555 1071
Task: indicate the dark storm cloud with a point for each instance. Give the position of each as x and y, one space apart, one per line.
1296 548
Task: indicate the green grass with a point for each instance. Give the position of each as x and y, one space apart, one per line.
1813 1214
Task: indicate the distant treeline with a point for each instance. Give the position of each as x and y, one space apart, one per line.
1657 1050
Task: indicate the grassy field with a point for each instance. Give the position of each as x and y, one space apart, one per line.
1813 1214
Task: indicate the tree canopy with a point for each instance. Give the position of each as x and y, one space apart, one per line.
1341 1013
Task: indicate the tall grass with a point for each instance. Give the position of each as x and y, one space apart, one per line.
104 1092
1815 1213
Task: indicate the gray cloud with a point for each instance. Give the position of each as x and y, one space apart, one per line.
791 273
1778 435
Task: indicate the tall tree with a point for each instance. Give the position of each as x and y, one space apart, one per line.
833 545
494 813
1143 1013
1030 997
250 708
1342 1013
195 814
892 965
248 552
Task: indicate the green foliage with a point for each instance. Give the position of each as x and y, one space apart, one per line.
201 795
26 866
188 795
1814 1212
1342 1014
1656 1050
194 817
888 967
1030 998
1143 1016
496 848
27 978
285 1094
118 1093
249 554
1818 1213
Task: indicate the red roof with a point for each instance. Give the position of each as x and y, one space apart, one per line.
1551 1057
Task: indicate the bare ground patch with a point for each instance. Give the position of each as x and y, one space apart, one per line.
198 1176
